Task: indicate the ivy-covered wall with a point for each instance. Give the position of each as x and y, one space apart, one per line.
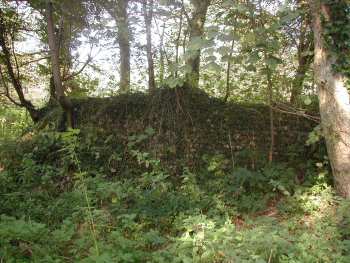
185 125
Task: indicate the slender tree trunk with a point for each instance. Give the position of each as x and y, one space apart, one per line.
177 43
184 42
148 21
304 61
55 64
196 27
23 102
228 72
161 58
333 101
272 127
297 84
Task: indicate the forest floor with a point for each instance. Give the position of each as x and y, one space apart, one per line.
54 213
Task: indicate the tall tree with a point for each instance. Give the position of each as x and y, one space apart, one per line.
177 41
196 28
161 55
118 11
305 46
332 91
124 43
228 71
55 64
147 6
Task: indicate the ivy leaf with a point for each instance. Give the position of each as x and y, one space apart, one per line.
150 131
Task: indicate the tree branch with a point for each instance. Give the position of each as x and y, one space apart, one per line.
74 74
7 93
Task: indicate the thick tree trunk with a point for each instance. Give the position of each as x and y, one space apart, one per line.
196 27
118 11
334 102
122 20
148 15
55 64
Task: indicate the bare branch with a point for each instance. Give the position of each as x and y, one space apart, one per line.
34 60
74 74
14 55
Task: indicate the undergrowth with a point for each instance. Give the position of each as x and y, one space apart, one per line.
66 198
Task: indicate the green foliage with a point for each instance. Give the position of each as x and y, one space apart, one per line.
13 122
337 34
315 136
57 206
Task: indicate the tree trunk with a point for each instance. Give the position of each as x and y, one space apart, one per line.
272 126
148 21
121 17
228 72
118 11
161 58
196 27
16 83
177 43
304 61
55 64
333 102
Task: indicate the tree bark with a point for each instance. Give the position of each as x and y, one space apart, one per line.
161 57
177 43
63 100
148 15
304 61
118 11
16 83
333 101
196 26
122 19
228 72
272 125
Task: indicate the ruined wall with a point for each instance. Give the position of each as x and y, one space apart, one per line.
188 125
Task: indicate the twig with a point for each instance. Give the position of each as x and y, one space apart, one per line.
34 60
